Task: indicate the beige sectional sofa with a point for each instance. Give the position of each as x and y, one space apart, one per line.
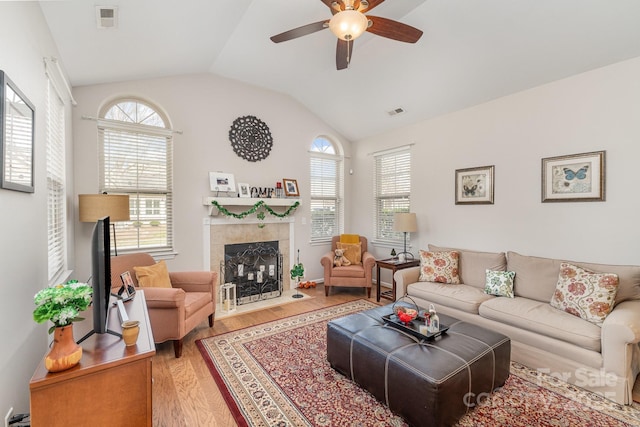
604 359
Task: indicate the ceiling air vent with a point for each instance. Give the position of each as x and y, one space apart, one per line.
396 111
107 16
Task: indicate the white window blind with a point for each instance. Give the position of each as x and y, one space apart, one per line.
136 159
326 172
56 191
392 191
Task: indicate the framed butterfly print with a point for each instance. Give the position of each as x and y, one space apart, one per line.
574 178
474 186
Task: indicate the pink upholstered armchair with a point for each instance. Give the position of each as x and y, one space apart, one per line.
351 275
174 311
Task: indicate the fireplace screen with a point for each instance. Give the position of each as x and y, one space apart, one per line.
255 268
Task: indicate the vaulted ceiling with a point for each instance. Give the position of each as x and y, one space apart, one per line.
471 51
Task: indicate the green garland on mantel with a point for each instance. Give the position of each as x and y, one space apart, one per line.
254 209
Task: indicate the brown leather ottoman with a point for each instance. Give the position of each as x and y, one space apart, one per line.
428 383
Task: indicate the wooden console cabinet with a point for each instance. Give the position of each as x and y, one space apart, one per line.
110 387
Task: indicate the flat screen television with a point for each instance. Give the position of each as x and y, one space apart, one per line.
100 278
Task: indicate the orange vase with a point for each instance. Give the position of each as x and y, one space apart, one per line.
64 353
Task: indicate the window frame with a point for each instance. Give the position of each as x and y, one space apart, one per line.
391 193
321 159
140 198
57 233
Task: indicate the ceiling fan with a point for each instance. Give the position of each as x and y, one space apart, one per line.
348 23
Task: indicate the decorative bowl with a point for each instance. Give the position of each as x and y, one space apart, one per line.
406 314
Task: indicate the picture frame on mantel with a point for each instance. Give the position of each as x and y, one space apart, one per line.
220 181
290 187
244 190
475 186
574 178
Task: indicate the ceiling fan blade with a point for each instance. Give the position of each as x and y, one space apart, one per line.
335 5
300 31
371 4
344 51
393 29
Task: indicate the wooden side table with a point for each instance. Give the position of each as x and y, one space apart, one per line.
394 265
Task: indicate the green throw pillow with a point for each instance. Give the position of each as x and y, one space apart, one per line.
499 283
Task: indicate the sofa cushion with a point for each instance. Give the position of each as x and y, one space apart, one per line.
461 297
541 318
439 267
155 276
536 277
352 251
584 293
472 265
499 283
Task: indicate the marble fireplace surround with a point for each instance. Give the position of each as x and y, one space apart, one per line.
219 231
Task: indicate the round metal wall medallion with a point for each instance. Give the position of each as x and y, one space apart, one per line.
250 138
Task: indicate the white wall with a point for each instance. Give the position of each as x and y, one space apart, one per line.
597 110
204 107
23 216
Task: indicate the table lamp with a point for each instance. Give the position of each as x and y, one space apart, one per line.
405 222
92 207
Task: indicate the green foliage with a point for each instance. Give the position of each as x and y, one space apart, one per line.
298 269
254 209
62 303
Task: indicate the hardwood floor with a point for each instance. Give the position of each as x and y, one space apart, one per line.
184 392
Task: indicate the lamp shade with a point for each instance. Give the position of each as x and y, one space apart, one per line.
405 221
348 24
92 207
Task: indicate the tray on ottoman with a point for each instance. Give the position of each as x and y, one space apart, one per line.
413 327
428 383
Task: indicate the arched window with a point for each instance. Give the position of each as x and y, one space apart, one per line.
326 170
136 150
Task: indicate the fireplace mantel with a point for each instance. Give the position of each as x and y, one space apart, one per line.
229 202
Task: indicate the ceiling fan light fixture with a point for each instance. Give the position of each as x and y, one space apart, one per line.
348 24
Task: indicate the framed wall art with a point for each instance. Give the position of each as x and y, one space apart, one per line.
574 178
220 181
244 190
290 187
17 116
474 186
250 138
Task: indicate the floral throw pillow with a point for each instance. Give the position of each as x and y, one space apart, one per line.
439 267
499 283
585 293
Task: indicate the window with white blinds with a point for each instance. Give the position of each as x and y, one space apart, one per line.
136 151
392 191
326 171
56 191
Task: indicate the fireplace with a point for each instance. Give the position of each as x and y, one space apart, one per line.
220 231
255 268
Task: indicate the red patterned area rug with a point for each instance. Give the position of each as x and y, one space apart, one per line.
277 374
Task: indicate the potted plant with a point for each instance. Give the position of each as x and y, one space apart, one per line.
61 305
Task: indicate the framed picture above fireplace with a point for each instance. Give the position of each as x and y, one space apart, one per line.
220 181
290 187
